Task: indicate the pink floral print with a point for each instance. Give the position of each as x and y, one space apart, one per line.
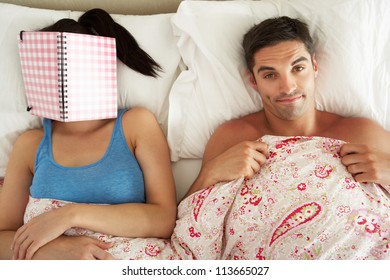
302 204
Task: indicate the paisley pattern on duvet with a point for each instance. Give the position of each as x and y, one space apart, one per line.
303 204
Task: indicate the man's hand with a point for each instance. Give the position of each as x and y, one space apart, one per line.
366 164
241 160
74 248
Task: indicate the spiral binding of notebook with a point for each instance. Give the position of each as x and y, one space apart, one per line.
62 76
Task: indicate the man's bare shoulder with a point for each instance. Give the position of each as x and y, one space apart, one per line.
233 132
361 130
358 124
248 126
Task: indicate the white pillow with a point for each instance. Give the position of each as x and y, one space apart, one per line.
153 33
352 38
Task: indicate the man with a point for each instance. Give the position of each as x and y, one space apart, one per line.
280 56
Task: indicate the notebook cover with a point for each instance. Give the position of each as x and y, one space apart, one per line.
69 76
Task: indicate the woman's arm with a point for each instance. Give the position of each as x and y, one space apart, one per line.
15 191
74 248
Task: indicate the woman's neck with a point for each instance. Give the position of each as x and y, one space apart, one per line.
79 127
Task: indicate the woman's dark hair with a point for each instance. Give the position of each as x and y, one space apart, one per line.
273 31
99 22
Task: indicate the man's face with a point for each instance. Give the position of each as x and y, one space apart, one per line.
284 76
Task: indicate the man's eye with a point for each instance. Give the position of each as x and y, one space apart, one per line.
299 68
269 76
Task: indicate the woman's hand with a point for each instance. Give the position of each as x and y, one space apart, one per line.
39 231
74 248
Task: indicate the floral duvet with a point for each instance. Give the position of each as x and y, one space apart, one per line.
302 204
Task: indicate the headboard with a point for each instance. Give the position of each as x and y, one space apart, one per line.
117 6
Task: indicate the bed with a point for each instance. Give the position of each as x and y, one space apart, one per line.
291 209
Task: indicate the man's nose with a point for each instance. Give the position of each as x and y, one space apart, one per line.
287 84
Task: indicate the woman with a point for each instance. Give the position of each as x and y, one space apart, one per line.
121 168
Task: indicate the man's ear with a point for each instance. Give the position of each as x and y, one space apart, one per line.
252 80
315 65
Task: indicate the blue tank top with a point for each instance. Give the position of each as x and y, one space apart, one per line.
115 178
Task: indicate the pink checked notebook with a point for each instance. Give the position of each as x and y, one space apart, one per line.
69 76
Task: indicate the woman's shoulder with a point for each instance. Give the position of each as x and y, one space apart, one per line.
138 114
31 136
26 146
138 122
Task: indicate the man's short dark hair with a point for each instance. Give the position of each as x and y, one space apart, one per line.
273 31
